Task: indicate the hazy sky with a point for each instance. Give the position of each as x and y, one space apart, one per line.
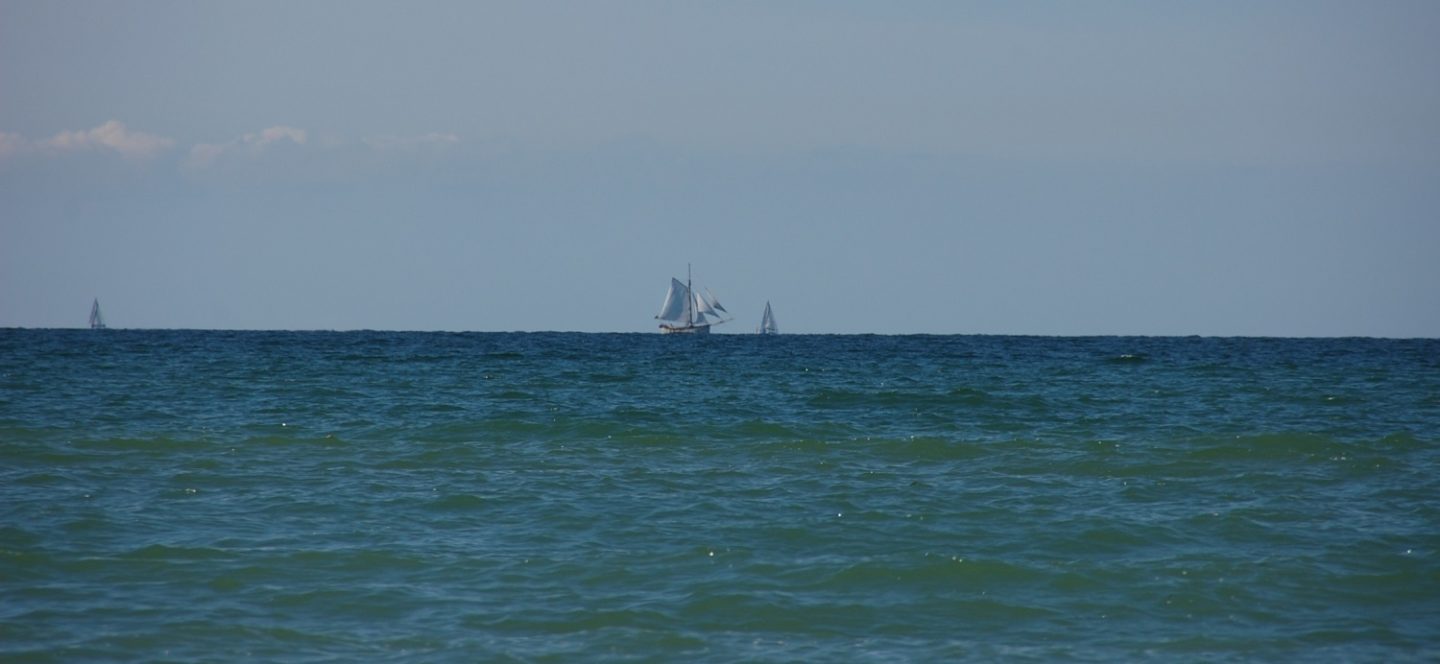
1169 168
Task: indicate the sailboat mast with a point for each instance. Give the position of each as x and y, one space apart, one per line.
690 295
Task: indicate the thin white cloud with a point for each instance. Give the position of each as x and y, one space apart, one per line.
112 136
12 144
203 154
273 134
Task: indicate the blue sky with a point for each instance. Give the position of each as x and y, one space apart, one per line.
1222 168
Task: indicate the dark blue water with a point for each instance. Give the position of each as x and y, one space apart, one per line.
180 495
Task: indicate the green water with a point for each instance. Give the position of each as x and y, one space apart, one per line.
573 497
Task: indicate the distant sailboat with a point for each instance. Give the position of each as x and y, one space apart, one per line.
767 322
685 309
97 322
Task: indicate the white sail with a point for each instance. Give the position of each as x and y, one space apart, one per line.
687 310
702 307
714 302
97 322
767 322
676 307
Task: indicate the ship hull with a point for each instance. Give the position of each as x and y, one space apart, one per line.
685 329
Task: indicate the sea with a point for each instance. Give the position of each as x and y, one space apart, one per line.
563 497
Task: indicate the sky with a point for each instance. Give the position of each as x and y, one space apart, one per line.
926 166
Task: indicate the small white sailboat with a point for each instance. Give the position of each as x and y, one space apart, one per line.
767 322
97 322
685 309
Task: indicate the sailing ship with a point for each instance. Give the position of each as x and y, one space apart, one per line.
97 322
767 322
685 309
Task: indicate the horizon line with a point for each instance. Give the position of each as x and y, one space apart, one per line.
729 334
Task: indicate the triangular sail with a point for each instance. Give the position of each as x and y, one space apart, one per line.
677 300
714 302
702 307
97 322
767 322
